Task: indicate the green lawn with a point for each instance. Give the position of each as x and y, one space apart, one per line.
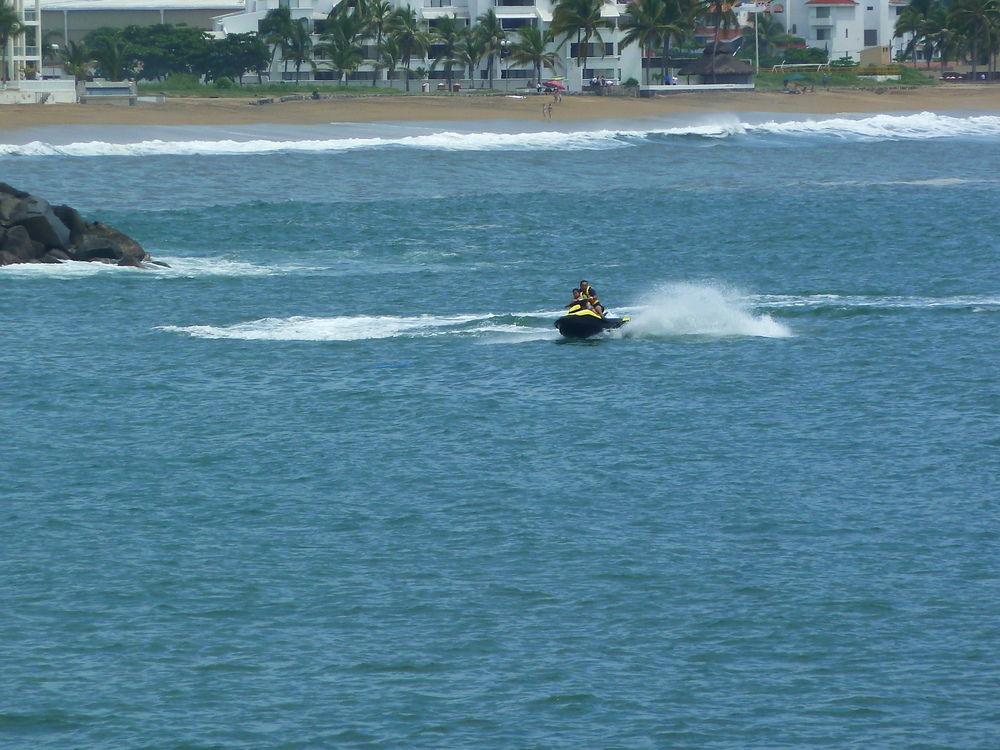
841 78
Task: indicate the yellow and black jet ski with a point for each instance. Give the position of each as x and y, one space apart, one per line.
582 324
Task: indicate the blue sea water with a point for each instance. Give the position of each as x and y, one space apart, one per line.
332 480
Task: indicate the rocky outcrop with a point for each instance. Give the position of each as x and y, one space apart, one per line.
32 231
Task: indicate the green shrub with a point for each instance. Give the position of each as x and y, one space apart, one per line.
225 82
843 62
631 82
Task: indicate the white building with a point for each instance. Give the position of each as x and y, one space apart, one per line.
609 59
24 50
843 27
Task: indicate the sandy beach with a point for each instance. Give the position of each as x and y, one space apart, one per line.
231 111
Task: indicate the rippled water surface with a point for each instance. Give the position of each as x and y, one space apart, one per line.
333 480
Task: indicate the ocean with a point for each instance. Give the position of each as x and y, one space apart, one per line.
334 480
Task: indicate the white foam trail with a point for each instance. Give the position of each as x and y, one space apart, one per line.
180 268
67 270
924 125
347 328
194 267
685 309
887 302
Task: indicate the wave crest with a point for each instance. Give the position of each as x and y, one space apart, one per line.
922 126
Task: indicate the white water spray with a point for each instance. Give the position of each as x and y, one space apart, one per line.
687 309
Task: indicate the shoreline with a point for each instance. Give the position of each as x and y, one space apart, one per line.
416 109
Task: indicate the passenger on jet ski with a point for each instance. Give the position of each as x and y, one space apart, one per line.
576 298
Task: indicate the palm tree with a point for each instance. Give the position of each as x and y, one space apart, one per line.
76 60
448 35
10 27
111 57
412 41
976 18
723 17
768 31
530 49
910 21
471 50
494 36
580 17
341 43
389 56
275 29
298 45
652 22
377 13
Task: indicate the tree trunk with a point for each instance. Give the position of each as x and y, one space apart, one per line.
489 65
406 76
975 58
666 54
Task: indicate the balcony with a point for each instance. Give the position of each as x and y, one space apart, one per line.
820 21
515 3
446 3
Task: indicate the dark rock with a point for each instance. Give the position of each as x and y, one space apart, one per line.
36 215
18 243
96 250
6 189
32 231
103 241
7 205
159 263
73 221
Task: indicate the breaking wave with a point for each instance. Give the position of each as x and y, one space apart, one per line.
925 125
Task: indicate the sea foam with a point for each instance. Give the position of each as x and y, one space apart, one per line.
925 125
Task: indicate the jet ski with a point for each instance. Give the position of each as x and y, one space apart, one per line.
582 324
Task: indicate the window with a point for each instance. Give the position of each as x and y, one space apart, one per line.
847 33
795 28
516 23
516 74
593 49
871 37
870 7
822 35
822 13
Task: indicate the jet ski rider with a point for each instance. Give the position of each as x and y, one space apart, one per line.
585 298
